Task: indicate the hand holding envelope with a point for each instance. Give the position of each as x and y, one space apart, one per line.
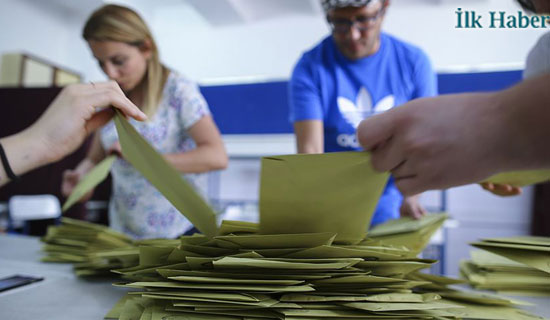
154 167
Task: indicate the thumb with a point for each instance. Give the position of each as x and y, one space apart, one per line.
69 174
376 130
99 119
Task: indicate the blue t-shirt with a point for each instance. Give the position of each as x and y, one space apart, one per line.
327 86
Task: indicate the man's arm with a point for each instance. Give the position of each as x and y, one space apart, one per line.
309 136
465 139
306 111
425 81
20 150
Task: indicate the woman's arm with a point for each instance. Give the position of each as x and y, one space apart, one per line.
94 156
72 177
207 156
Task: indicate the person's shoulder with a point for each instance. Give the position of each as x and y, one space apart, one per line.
315 54
177 83
178 79
404 49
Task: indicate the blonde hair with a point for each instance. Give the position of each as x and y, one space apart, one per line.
121 24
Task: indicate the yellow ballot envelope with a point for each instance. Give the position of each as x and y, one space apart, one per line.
313 193
520 178
90 181
164 177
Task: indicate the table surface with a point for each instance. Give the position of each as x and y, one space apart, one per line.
62 295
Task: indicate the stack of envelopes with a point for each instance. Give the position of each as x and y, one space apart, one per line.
95 250
92 248
244 275
279 276
517 265
528 250
408 232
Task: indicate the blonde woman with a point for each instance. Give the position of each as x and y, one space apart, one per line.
180 125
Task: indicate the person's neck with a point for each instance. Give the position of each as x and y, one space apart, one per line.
372 50
136 95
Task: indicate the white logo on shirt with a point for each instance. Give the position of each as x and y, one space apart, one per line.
354 113
363 107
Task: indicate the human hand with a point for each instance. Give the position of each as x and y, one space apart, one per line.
436 143
115 149
411 207
72 116
71 178
503 190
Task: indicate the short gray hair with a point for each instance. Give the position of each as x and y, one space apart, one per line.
334 4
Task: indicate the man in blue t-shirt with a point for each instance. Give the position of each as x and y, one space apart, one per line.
354 73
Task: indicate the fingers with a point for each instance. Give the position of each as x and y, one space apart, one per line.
115 149
99 119
411 210
487 186
388 157
411 207
503 190
86 197
420 211
416 214
110 94
403 212
376 130
516 191
411 186
70 179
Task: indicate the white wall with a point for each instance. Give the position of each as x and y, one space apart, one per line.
433 29
269 48
46 31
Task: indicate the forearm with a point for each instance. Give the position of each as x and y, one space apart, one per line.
309 148
201 159
96 153
526 124
23 152
94 156
309 136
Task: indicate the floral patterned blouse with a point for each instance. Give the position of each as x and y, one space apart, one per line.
136 207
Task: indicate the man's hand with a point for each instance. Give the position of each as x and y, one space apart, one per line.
435 143
411 207
503 190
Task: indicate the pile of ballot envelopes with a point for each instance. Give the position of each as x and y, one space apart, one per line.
515 265
241 274
310 256
245 275
93 249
